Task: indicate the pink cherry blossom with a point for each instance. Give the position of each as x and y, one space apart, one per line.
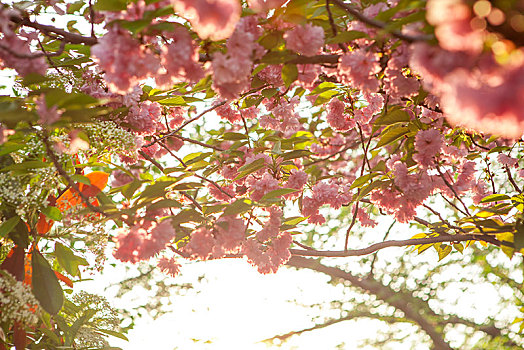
211 19
124 60
306 40
169 266
336 116
358 69
427 144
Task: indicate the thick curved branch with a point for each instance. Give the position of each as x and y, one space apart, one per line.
66 36
399 243
382 292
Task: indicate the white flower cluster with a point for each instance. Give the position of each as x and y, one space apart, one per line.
104 318
17 302
107 135
10 189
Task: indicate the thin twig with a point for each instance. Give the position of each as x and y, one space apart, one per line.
370 273
172 133
379 24
510 178
333 25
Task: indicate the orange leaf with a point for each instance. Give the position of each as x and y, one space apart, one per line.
70 198
43 225
64 279
98 182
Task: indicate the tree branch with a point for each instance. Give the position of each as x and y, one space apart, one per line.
399 243
381 291
47 29
379 24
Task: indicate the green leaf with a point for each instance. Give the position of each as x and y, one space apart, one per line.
289 74
239 206
247 169
158 189
347 36
393 117
112 333
270 40
68 260
52 213
7 226
268 93
110 5
363 179
46 287
187 216
233 136
30 164
277 193
392 135
81 178
518 202
495 198
173 101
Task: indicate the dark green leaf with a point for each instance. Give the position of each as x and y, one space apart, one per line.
7 226
46 287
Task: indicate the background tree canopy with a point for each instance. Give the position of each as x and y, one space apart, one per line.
299 132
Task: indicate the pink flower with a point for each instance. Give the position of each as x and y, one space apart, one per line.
452 21
297 179
272 74
230 74
260 187
200 244
13 41
427 144
397 85
507 160
145 117
306 40
228 113
219 194
180 60
271 228
123 59
358 69
142 241
336 118
211 19
230 233
169 266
